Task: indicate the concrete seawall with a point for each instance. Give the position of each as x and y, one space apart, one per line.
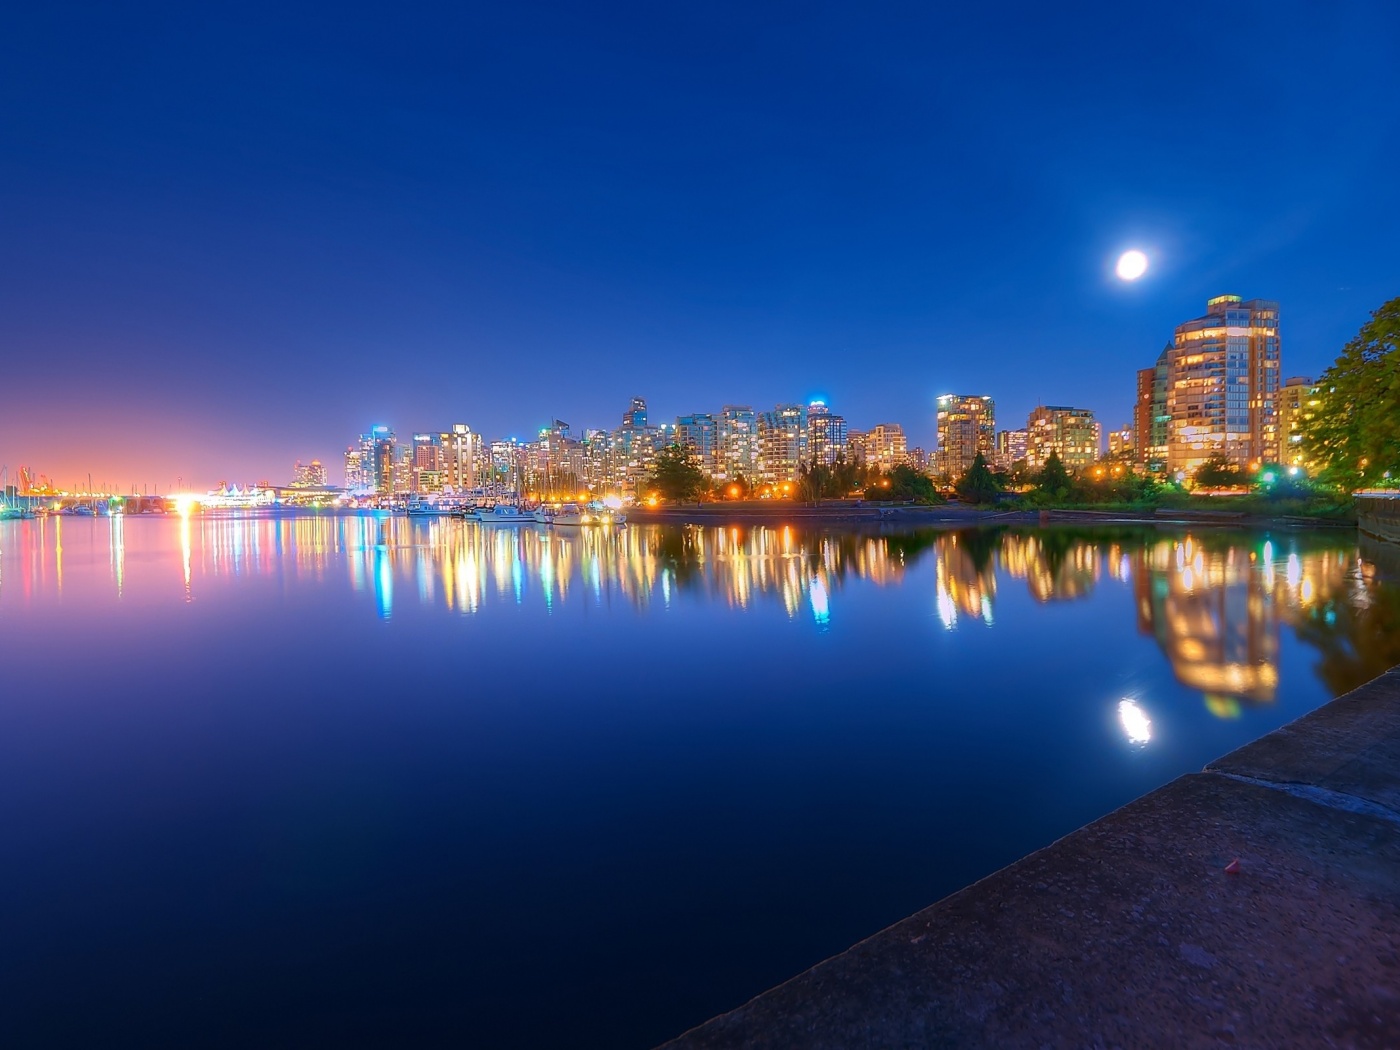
1141 930
1379 516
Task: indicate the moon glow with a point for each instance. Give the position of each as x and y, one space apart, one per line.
1131 265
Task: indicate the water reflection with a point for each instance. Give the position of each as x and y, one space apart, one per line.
1214 602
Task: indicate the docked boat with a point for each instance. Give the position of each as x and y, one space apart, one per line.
502 514
571 515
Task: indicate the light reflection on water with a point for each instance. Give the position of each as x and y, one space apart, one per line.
579 768
1214 602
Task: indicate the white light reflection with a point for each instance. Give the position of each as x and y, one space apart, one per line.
1136 725
820 608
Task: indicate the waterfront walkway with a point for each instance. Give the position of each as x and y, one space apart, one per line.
1254 904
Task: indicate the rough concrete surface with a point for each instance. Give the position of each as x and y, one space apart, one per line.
1131 933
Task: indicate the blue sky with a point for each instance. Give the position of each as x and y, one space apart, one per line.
237 236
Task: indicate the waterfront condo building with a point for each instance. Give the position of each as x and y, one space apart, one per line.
699 432
1072 433
782 443
1223 385
966 426
1298 403
738 443
886 447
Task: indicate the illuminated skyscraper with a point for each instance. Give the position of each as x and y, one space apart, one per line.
966 426
826 434
1223 383
308 475
1070 432
460 451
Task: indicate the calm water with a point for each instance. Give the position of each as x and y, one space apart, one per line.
363 781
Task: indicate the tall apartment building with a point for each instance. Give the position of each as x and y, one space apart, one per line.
1072 433
886 447
699 432
782 443
826 434
1298 403
966 426
1151 420
738 443
459 450
308 475
633 446
1223 385
426 468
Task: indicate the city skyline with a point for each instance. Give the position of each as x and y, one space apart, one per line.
249 238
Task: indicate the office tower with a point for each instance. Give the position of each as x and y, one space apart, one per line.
354 470
826 434
1298 403
1222 385
782 443
738 443
308 475
636 414
374 462
966 426
886 447
634 447
1151 420
1070 432
699 432
1011 448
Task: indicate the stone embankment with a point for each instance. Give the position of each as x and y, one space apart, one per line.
1256 903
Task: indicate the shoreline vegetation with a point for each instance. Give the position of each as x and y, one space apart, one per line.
1201 510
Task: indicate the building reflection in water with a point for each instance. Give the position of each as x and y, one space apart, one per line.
1215 602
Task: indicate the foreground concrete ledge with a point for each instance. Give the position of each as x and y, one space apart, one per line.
1130 932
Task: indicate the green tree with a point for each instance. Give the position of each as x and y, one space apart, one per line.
677 476
1219 472
1052 480
979 484
1354 436
904 485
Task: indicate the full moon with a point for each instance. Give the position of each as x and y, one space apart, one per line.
1132 265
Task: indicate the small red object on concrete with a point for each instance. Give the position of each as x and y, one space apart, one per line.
1233 868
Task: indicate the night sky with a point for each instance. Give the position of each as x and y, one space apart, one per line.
232 238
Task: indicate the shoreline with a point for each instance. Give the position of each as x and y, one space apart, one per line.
955 514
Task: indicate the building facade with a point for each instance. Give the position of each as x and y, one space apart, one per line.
1011 448
966 426
1223 385
1151 420
782 443
1072 433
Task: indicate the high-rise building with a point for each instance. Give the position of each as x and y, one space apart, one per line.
1071 432
633 447
459 450
1298 403
699 432
966 426
373 462
886 447
782 443
1151 420
826 434
738 443
636 414
1223 383
308 475
1011 448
